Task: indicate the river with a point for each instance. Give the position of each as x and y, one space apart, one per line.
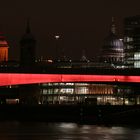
65 131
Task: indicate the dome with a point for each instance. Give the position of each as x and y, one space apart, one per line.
112 42
3 42
113 48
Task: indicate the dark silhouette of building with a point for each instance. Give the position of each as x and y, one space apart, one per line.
132 41
27 49
113 49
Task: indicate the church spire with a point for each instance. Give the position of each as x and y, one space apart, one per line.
27 45
28 30
83 58
113 27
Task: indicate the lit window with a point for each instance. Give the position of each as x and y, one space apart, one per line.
137 56
137 64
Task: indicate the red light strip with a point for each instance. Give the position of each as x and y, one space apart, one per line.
19 78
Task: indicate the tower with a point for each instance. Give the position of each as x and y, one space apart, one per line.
27 47
3 49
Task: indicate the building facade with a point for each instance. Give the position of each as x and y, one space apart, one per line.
132 41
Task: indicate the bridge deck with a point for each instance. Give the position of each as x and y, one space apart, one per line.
22 78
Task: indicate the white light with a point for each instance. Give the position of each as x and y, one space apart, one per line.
50 61
68 125
62 98
126 102
99 98
57 36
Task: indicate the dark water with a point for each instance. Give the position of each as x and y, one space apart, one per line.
65 131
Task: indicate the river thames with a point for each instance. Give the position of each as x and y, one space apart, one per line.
65 131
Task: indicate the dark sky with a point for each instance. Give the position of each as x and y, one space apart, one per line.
82 24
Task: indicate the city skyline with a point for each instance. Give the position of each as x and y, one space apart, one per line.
81 25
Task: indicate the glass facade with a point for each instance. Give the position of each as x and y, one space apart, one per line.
88 93
132 41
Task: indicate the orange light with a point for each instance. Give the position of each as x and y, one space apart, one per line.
3 53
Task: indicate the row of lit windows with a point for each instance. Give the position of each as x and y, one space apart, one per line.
128 39
79 90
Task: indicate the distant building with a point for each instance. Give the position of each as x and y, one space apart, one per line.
84 57
132 41
3 49
113 49
27 49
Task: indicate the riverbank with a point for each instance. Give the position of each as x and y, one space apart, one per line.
88 114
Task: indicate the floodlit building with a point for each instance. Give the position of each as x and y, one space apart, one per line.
3 49
113 49
115 56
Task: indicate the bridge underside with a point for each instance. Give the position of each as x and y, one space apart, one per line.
19 78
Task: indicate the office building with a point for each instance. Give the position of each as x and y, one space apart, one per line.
132 41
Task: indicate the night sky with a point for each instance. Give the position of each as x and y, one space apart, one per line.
81 24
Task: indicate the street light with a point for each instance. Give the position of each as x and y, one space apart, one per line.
56 38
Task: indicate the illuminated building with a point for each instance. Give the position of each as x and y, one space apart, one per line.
113 49
63 81
73 93
132 41
27 49
69 88
3 49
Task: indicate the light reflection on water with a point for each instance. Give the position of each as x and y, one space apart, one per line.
65 131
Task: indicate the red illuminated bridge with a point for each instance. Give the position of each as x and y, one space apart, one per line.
19 78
